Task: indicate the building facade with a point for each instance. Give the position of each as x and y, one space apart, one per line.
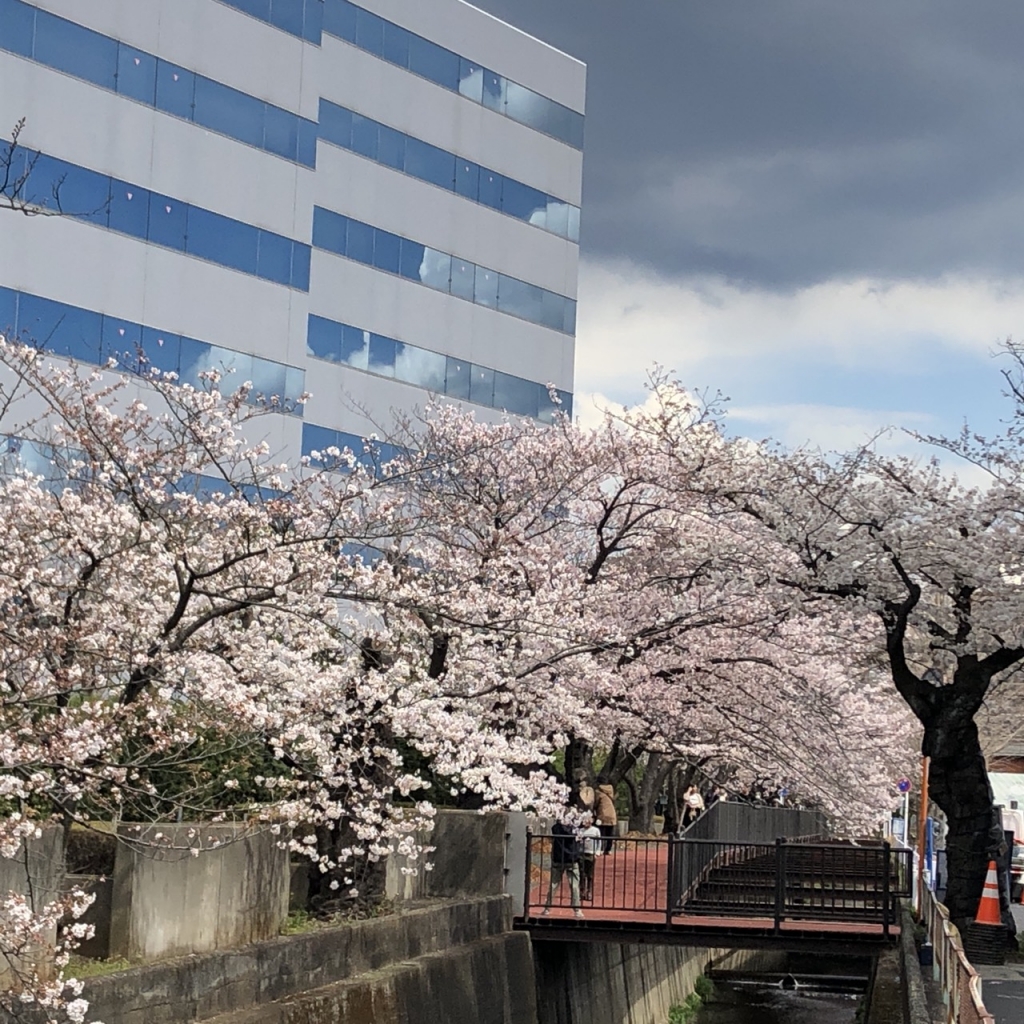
370 203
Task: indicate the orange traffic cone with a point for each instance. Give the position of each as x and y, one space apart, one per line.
988 906
985 941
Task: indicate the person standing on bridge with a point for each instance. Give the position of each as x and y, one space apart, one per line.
693 805
566 852
607 818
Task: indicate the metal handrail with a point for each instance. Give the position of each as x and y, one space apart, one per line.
959 981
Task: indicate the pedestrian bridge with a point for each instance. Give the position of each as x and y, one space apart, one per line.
797 890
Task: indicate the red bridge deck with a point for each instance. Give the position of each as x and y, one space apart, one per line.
631 897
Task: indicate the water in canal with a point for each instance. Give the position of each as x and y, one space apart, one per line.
749 1004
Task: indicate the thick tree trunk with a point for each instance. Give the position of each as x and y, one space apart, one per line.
959 785
644 794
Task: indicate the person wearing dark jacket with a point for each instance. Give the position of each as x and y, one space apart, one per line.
566 851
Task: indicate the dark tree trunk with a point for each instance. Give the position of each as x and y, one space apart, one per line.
959 785
643 795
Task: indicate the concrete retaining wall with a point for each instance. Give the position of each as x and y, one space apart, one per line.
167 902
37 872
599 983
227 981
468 858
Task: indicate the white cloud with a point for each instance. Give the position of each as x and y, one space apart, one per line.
850 334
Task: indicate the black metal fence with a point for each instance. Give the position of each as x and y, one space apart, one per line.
751 862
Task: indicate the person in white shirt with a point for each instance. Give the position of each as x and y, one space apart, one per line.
592 844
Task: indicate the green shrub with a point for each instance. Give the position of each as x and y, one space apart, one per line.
703 987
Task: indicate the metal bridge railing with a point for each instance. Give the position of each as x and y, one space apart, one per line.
960 982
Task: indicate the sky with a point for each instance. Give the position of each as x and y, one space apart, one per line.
813 207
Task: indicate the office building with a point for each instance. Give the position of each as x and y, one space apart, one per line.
370 203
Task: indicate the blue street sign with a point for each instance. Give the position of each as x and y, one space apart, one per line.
903 785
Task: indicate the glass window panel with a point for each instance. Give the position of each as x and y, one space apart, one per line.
329 230
434 62
76 334
521 201
318 439
471 81
574 223
411 260
222 240
8 301
391 148
129 209
273 258
429 163
280 131
436 269
287 15
47 179
569 318
257 8
160 350
396 44
17 27
420 367
313 20
364 136
301 254
78 51
294 383
547 410
228 111
382 355
168 220
463 274
360 242
519 298
82 194
196 358
121 340
136 74
268 379
515 395
340 19
527 107
336 124
553 311
485 288
467 179
369 32
175 88
323 338
307 141
387 250
235 367
456 378
490 188
557 218
481 385
494 91
355 347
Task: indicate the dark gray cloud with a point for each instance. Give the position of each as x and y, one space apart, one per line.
788 142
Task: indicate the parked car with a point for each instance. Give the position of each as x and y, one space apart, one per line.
1017 872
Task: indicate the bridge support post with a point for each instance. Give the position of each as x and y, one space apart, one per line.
526 874
780 882
886 897
670 899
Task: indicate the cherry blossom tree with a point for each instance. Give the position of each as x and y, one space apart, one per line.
610 569
934 563
170 589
